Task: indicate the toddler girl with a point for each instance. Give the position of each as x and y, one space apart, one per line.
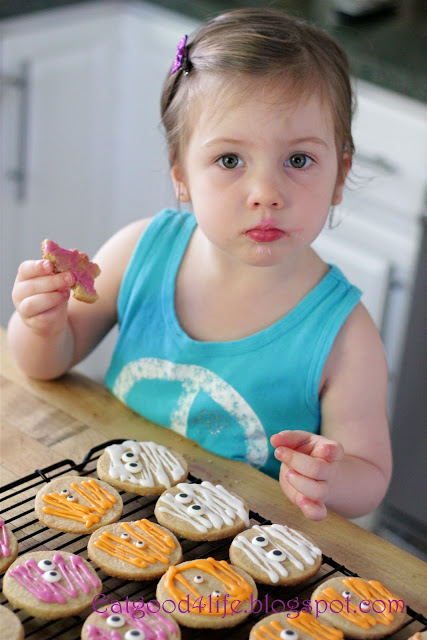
233 331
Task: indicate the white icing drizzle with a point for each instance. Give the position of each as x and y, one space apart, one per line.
220 506
158 464
277 536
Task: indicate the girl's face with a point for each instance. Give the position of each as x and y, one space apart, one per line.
261 174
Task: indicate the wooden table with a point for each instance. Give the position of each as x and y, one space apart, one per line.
45 422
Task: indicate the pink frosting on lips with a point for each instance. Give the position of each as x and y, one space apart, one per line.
78 263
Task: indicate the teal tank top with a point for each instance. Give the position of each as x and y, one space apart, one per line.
230 397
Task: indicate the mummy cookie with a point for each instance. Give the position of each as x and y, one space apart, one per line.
8 546
145 468
207 593
11 622
132 620
140 550
51 585
276 555
202 511
80 266
76 504
293 625
359 608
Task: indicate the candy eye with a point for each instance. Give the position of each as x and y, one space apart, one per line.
129 457
52 576
140 544
216 593
183 497
116 621
288 634
346 594
364 606
125 536
195 508
276 554
64 492
46 565
198 579
71 499
134 634
133 467
260 541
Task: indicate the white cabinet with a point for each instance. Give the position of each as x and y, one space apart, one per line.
82 153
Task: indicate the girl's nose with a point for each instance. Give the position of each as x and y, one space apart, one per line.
264 191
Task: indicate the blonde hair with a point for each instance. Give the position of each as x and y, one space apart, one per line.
265 44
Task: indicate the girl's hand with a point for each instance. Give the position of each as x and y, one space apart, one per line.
309 465
41 296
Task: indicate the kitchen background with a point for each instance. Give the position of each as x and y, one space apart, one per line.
82 154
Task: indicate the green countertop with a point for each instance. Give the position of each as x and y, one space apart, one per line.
388 48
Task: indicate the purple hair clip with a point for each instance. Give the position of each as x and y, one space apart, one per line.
181 56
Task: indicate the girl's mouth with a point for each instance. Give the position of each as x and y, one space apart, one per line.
265 234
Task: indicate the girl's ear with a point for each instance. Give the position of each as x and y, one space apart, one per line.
339 187
181 190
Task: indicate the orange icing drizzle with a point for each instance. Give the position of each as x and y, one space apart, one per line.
371 590
98 498
234 584
305 623
158 544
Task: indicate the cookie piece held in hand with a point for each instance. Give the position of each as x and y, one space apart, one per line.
51 585
80 266
359 608
77 504
276 554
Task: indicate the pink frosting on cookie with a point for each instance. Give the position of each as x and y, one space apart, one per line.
78 263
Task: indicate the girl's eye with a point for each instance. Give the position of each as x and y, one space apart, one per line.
299 161
230 161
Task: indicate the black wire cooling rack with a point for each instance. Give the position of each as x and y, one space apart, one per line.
17 509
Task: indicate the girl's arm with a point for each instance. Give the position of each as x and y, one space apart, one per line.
348 467
49 333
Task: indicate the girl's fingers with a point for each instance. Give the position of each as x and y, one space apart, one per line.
42 302
311 444
316 490
41 285
33 268
305 465
312 509
294 440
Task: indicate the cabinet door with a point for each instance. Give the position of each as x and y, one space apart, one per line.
58 140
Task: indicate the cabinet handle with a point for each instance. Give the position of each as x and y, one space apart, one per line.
20 82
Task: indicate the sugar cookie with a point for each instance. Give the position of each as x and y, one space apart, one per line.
207 593
130 621
359 608
79 264
140 550
202 511
51 585
275 555
78 504
145 468
293 625
11 622
8 546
